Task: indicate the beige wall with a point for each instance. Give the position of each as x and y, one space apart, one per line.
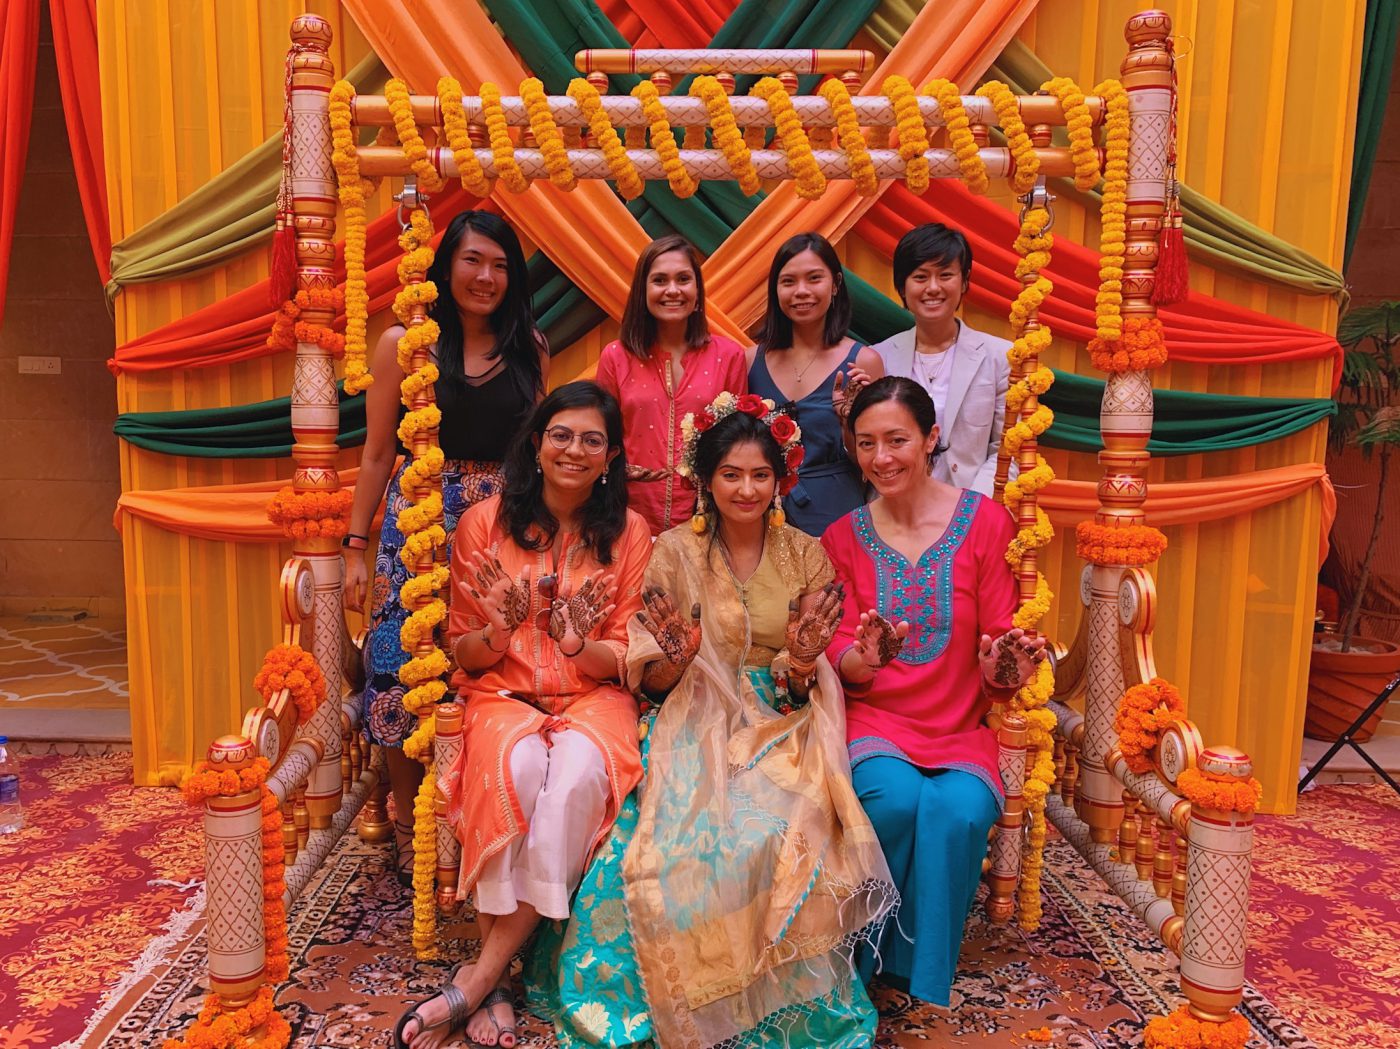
58 455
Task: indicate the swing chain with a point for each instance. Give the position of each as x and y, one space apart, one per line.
408 199
1038 197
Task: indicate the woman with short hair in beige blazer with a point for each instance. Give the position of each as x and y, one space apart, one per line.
965 371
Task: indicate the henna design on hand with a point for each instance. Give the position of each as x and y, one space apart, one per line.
678 639
879 637
809 634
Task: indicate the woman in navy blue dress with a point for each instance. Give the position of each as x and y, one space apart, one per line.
805 361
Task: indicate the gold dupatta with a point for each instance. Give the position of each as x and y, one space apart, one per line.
753 872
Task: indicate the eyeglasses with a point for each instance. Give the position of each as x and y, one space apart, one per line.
561 437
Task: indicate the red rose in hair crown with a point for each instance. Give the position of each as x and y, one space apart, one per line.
704 420
795 455
752 404
783 428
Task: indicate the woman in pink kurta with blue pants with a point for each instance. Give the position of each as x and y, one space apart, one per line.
664 365
923 761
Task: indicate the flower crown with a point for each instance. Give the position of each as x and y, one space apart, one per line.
780 424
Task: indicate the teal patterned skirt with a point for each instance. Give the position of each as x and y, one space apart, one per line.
582 974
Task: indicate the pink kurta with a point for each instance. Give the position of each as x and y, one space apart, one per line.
929 705
483 807
652 412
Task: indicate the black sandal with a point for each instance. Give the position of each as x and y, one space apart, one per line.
500 996
402 873
457 1012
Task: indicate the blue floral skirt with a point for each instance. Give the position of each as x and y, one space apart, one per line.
464 483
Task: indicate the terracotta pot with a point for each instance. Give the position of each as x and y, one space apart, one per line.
1342 684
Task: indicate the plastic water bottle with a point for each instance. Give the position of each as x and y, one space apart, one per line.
11 812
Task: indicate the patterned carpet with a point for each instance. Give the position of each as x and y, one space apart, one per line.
62 665
119 961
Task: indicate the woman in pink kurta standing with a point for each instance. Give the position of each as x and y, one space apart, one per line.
665 365
924 647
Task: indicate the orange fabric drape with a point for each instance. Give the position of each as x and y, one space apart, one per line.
588 233
957 39
19 51
1194 502
238 512
75 52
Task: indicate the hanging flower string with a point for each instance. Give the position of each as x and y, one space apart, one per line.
454 128
547 134
1024 158
960 137
352 190
851 137
590 104
797 150
728 139
1079 125
1032 246
663 140
913 134
401 111
217 1027
498 134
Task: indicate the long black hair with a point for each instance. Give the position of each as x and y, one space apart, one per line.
604 515
776 331
517 338
902 391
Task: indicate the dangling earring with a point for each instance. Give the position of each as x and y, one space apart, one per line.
538 468
605 478
776 517
697 520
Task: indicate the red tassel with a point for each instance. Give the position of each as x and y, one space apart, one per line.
284 263
1171 285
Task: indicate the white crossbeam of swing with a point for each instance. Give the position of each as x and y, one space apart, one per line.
377 161
685 111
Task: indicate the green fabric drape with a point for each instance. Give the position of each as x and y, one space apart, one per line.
1213 232
231 213
1377 60
242 431
1185 424
548 34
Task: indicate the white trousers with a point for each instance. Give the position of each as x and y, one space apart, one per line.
563 791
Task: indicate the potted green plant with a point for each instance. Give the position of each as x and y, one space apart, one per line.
1349 669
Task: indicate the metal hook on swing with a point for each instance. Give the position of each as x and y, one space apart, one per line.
408 199
1038 197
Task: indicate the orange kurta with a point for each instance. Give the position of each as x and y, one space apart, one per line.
482 803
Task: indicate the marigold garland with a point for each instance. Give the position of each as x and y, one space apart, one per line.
547 134
1181 1030
217 1028
600 126
851 137
1032 246
1113 223
1144 713
352 191
425 867
1227 795
960 137
728 139
310 515
663 140
1079 124
1134 545
498 135
1141 347
797 150
295 669
401 111
1018 139
454 128
913 134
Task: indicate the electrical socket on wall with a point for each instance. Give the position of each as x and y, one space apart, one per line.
41 365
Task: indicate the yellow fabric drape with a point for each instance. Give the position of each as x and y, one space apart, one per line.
957 40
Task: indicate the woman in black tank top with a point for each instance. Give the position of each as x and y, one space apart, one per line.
491 372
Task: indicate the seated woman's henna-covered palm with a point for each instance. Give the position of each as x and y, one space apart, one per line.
877 636
808 634
678 639
582 611
497 592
